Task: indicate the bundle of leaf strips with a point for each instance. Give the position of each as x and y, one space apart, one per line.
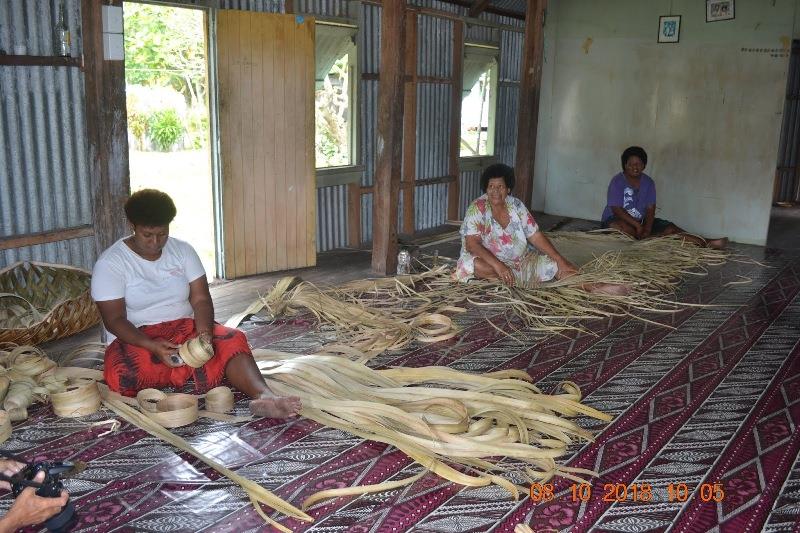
455 424
376 315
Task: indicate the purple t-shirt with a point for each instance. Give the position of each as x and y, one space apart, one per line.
634 201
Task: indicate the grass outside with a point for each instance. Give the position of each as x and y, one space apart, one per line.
186 177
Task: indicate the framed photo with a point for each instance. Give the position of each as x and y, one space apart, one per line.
669 28
719 10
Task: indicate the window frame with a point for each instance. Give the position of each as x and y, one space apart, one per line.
480 159
343 174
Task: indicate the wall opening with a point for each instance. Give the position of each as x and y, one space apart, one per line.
785 215
166 77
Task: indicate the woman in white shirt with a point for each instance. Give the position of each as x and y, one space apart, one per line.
152 294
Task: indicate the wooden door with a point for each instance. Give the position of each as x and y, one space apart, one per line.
265 67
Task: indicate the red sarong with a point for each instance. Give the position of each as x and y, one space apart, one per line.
129 369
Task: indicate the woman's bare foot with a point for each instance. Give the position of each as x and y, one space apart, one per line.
718 244
276 406
612 289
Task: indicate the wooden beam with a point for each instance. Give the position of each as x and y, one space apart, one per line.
530 88
454 190
390 138
106 128
410 123
478 6
44 237
41 61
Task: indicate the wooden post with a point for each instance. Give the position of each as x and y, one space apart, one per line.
390 138
410 124
530 87
106 128
453 191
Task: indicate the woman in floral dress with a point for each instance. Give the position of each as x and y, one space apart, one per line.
495 234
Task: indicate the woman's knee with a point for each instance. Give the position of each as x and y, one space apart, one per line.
482 269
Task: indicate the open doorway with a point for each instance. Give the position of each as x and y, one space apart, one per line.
166 76
785 215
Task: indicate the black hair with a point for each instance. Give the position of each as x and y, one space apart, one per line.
150 208
631 151
498 170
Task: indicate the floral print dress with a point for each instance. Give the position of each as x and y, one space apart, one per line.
509 244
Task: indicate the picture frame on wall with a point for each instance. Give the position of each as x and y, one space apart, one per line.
717 10
669 28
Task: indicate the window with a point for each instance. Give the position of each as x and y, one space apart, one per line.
478 102
334 95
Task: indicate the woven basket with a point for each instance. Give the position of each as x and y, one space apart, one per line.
56 298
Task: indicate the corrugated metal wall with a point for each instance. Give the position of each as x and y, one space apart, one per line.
332 217
328 8
261 6
508 96
44 107
44 181
470 189
787 179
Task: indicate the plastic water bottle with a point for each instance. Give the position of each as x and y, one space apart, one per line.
403 262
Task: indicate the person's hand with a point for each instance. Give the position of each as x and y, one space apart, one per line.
639 231
646 232
205 336
166 351
504 273
566 269
9 467
29 509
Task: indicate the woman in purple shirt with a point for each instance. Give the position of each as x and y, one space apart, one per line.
631 205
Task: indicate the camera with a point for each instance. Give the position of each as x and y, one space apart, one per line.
49 488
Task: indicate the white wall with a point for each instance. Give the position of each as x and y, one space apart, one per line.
707 112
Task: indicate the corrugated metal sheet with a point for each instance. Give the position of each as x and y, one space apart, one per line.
434 46
44 183
330 8
470 189
433 129
368 125
506 123
261 6
787 188
439 6
520 6
369 40
31 24
75 252
502 20
430 206
477 33
366 218
331 217
511 55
